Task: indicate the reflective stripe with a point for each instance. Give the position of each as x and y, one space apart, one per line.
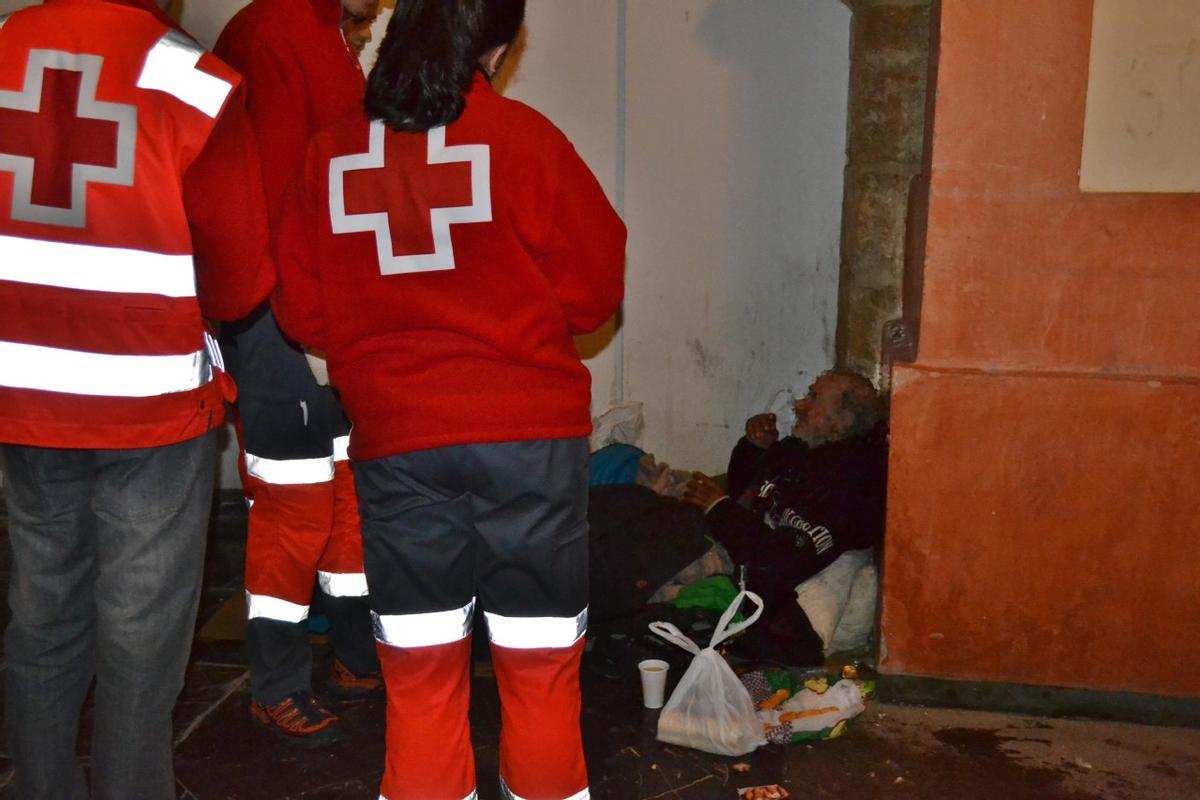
49 369
290 472
95 269
171 67
424 630
508 794
474 795
341 448
214 351
526 633
343 584
267 607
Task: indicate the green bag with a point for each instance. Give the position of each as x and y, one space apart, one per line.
711 594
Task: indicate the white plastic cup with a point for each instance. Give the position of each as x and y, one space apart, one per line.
654 681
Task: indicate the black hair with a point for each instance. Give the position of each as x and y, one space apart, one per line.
429 56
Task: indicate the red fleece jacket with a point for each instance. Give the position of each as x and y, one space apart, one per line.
299 76
463 338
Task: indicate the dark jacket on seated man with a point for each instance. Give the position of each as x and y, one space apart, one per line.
638 540
796 504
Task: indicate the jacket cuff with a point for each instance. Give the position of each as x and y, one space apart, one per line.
715 503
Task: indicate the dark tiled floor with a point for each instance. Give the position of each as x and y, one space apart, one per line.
891 752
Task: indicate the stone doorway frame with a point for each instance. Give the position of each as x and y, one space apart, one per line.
890 111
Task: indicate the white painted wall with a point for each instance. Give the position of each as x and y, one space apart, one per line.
735 150
718 128
572 79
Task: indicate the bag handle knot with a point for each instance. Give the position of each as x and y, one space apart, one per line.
723 630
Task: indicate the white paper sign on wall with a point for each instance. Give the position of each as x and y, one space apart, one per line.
1142 128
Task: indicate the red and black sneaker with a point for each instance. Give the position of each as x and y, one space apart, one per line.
342 682
299 717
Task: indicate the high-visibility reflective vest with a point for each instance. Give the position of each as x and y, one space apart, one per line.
102 344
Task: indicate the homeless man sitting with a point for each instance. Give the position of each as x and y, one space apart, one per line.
795 505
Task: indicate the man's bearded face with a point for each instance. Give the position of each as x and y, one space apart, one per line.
823 414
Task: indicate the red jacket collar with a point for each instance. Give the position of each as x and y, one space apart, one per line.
480 82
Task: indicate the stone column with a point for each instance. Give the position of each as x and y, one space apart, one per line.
889 62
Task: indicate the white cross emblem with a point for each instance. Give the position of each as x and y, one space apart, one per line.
29 99
440 219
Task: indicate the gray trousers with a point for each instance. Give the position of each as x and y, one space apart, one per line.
108 552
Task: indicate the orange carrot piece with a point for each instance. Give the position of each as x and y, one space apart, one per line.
774 700
816 712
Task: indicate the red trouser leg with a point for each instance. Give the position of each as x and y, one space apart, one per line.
429 755
541 752
341 565
288 530
340 574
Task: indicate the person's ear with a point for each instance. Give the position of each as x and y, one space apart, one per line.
493 59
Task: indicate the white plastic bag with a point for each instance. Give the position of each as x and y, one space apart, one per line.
710 709
840 599
621 423
817 712
857 624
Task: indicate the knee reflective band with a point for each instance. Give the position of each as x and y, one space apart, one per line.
527 633
424 630
343 584
261 605
291 471
508 794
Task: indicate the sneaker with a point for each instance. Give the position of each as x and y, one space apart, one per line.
298 716
344 683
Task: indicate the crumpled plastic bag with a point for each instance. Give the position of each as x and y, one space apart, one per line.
710 709
857 625
839 601
813 711
661 478
621 423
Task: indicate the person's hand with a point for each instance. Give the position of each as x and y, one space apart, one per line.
702 491
761 430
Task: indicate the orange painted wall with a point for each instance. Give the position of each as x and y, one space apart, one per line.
1044 499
